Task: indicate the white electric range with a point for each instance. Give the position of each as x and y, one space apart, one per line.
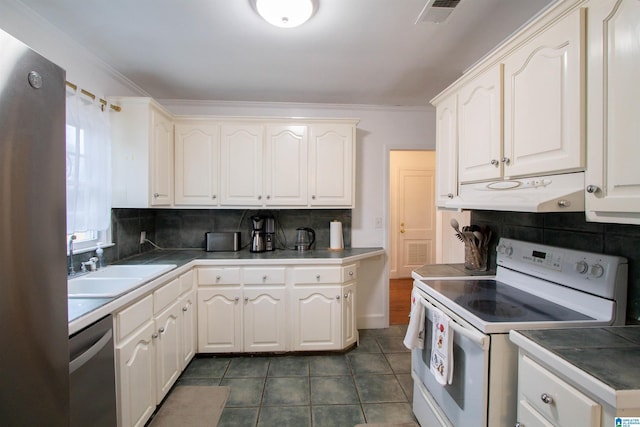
535 287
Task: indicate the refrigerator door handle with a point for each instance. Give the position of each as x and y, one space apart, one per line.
82 359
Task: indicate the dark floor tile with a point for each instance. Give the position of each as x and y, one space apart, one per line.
337 415
333 390
244 367
288 366
286 391
388 413
368 344
244 391
392 344
328 365
379 388
400 362
285 416
369 364
406 382
238 417
206 367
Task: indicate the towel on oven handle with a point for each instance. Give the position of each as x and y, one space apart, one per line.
441 365
414 337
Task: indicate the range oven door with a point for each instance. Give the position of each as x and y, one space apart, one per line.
464 401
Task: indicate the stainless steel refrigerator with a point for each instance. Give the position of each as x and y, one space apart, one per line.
34 347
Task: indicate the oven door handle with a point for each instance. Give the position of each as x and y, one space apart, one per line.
476 337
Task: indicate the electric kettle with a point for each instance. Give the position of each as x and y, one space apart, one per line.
305 238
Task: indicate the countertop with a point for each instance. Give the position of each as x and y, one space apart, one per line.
85 311
440 271
603 360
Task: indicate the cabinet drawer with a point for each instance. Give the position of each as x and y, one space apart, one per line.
566 407
349 273
166 295
186 282
263 275
131 318
219 276
317 275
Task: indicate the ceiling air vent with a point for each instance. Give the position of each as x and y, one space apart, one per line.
437 11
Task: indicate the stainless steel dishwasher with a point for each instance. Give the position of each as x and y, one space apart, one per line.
92 376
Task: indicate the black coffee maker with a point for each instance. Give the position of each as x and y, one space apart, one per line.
263 234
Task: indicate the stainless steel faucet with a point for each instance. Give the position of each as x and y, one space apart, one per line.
71 270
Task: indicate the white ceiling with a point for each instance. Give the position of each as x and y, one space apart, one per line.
350 52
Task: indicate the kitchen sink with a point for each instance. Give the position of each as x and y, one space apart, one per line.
114 280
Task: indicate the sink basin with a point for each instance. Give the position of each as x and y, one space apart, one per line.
101 287
114 280
143 271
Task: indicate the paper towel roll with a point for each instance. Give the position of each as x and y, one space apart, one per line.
335 237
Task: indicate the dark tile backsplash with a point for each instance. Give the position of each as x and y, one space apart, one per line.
185 228
570 230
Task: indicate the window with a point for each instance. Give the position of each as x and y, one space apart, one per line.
88 154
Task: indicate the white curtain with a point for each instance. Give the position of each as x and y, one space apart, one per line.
88 165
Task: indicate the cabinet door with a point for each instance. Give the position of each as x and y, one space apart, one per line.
136 366
315 318
349 327
197 164
168 349
189 326
446 151
161 159
543 96
219 320
331 165
480 127
241 159
264 319
285 175
613 112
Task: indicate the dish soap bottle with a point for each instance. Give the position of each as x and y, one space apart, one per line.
100 255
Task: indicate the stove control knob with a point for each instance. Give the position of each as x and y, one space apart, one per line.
597 270
582 267
508 251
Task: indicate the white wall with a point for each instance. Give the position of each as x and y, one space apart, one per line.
380 130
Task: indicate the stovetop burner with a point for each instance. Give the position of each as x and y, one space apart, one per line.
494 301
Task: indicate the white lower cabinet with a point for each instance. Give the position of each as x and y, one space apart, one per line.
349 326
188 307
546 400
149 352
219 320
315 321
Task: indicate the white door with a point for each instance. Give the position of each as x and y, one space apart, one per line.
264 319
168 349
349 329
219 320
189 327
446 150
286 166
197 164
413 213
161 168
315 319
241 149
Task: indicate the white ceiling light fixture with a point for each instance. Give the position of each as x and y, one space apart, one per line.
286 13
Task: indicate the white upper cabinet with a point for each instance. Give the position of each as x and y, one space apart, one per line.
332 165
142 154
285 169
544 99
446 150
197 163
241 155
613 115
480 127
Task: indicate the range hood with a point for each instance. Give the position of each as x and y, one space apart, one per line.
550 193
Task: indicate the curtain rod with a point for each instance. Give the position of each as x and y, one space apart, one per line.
92 96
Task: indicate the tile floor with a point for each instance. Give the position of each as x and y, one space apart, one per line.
368 384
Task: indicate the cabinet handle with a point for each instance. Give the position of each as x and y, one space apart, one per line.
592 189
214 197
156 195
185 308
259 197
519 425
564 203
154 336
338 297
346 296
506 160
546 398
450 195
495 162
236 299
317 277
246 299
313 197
161 330
268 197
351 273
264 278
218 278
